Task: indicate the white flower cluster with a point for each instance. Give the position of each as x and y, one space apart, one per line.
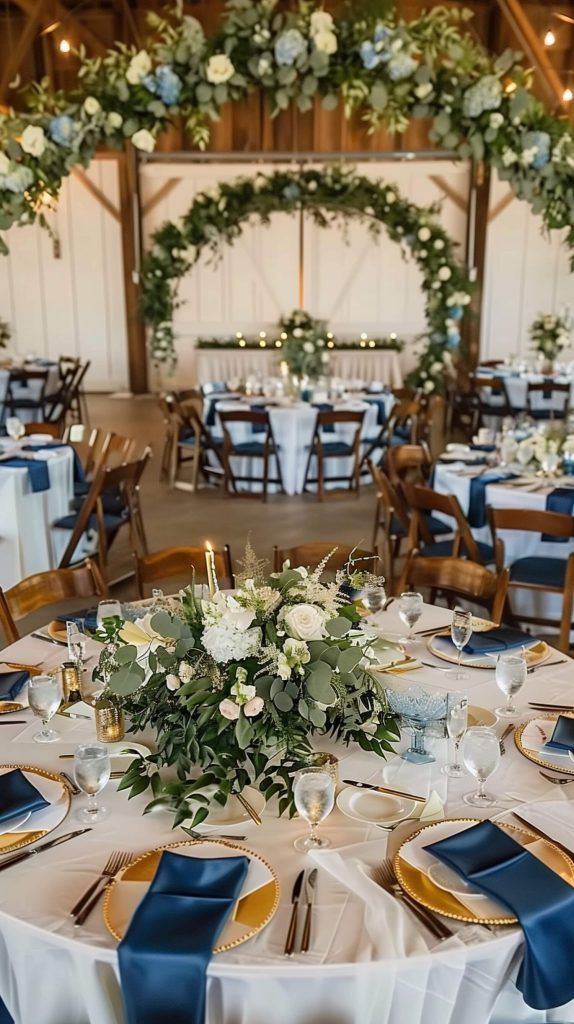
228 634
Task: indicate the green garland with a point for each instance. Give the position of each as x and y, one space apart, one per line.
328 195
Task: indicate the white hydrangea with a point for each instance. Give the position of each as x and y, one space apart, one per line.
326 42
509 157
496 120
225 642
143 140
91 106
33 140
321 21
444 274
138 67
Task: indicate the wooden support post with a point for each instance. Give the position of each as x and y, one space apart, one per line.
131 250
478 204
23 44
530 42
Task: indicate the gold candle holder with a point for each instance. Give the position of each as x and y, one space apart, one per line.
110 722
71 683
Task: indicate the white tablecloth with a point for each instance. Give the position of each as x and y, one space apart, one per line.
369 962
228 364
31 390
28 544
517 390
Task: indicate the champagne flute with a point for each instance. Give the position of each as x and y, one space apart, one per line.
410 611
108 610
314 793
456 724
481 755
373 597
92 772
510 678
460 631
44 697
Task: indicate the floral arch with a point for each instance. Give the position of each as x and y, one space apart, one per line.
336 194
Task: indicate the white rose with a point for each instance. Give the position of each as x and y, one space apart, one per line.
439 244
172 682
308 347
4 164
509 157
423 254
304 622
321 21
325 42
253 707
229 710
263 66
423 234
496 120
423 90
91 106
390 198
33 140
114 120
219 69
185 672
436 368
144 140
138 67
444 274
428 386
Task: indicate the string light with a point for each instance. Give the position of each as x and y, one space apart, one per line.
242 343
567 95
549 38
262 343
278 343
363 337
64 46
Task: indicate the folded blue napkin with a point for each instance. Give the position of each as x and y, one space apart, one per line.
329 428
491 641
37 472
542 901
561 499
483 447
79 475
563 735
88 618
381 404
18 795
477 498
11 683
164 956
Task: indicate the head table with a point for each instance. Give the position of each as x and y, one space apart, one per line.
369 961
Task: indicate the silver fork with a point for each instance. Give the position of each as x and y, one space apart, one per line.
115 863
391 828
556 782
211 835
507 731
384 875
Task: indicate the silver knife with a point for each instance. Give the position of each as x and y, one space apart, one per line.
49 639
295 896
310 894
38 849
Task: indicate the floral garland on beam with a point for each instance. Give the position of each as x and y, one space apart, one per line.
389 70
330 195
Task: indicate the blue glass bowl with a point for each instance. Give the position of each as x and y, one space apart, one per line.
417 708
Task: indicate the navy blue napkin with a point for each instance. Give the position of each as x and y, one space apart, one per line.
483 447
18 795
381 405
164 956
87 618
563 735
542 901
37 472
560 500
11 683
492 641
329 428
477 497
79 475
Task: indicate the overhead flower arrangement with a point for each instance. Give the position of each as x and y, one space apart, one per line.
551 334
334 194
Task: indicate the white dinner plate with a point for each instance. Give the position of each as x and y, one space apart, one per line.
14 822
374 808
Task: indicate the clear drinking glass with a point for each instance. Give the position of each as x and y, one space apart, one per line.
76 644
456 724
460 631
410 611
44 697
373 597
314 793
15 428
92 773
108 610
481 755
511 672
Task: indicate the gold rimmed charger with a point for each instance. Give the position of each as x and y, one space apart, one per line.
8 707
252 912
10 841
422 889
535 755
534 655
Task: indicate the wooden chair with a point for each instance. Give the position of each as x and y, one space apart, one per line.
188 439
402 425
484 390
538 572
89 443
18 398
412 461
422 503
311 555
46 588
540 392
179 561
261 447
53 429
457 578
324 447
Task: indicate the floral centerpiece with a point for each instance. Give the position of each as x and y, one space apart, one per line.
550 334
545 451
304 344
236 687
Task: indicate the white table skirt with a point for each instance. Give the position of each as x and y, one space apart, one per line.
517 390
30 390
229 364
53 974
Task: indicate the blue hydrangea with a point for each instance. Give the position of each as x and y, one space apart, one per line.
62 130
543 142
289 46
18 180
381 33
291 191
401 66
453 337
151 84
486 94
169 85
456 312
369 56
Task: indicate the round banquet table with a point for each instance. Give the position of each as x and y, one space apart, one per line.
32 389
369 962
517 390
234 363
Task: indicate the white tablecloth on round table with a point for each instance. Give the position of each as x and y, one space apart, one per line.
356 971
229 364
292 427
517 390
31 390
28 544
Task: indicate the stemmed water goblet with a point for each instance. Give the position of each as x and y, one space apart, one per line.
456 725
92 772
314 794
44 697
460 632
373 597
410 611
15 428
108 609
481 756
511 669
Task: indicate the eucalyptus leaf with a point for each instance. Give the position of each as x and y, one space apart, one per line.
127 680
321 691
338 627
243 731
124 655
317 716
349 659
283 702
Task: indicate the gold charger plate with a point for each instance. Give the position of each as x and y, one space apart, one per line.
534 755
10 841
57 630
251 914
7 707
422 889
534 655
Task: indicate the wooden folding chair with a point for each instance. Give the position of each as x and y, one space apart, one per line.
540 392
261 447
188 439
52 429
422 503
89 443
311 555
538 572
485 390
47 588
19 400
323 448
457 579
408 461
178 562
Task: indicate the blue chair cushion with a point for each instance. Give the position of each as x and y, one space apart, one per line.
249 448
437 526
111 522
336 448
551 571
187 442
443 549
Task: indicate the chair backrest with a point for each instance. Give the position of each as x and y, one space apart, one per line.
392 500
405 394
257 418
423 500
312 554
458 578
554 524
213 387
496 388
408 459
547 387
115 450
46 588
53 429
179 561
405 414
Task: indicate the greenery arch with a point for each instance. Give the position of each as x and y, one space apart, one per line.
329 195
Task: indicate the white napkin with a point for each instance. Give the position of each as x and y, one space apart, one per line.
553 817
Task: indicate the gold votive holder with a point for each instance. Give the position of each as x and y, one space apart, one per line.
71 683
110 722
328 762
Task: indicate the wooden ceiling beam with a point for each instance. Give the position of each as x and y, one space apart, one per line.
22 46
533 47
57 12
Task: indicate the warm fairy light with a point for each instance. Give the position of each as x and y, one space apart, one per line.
549 38
510 87
330 344
371 343
242 343
393 336
64 46
363 337
363 344
283 336
262 334
329 334
567 95
278 343
238 334
262 343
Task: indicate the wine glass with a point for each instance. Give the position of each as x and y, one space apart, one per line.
44 697
15 428
510 678
373 597
410 611
481 755
314 793
76 644
456 724
460 631
108 610
92 772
